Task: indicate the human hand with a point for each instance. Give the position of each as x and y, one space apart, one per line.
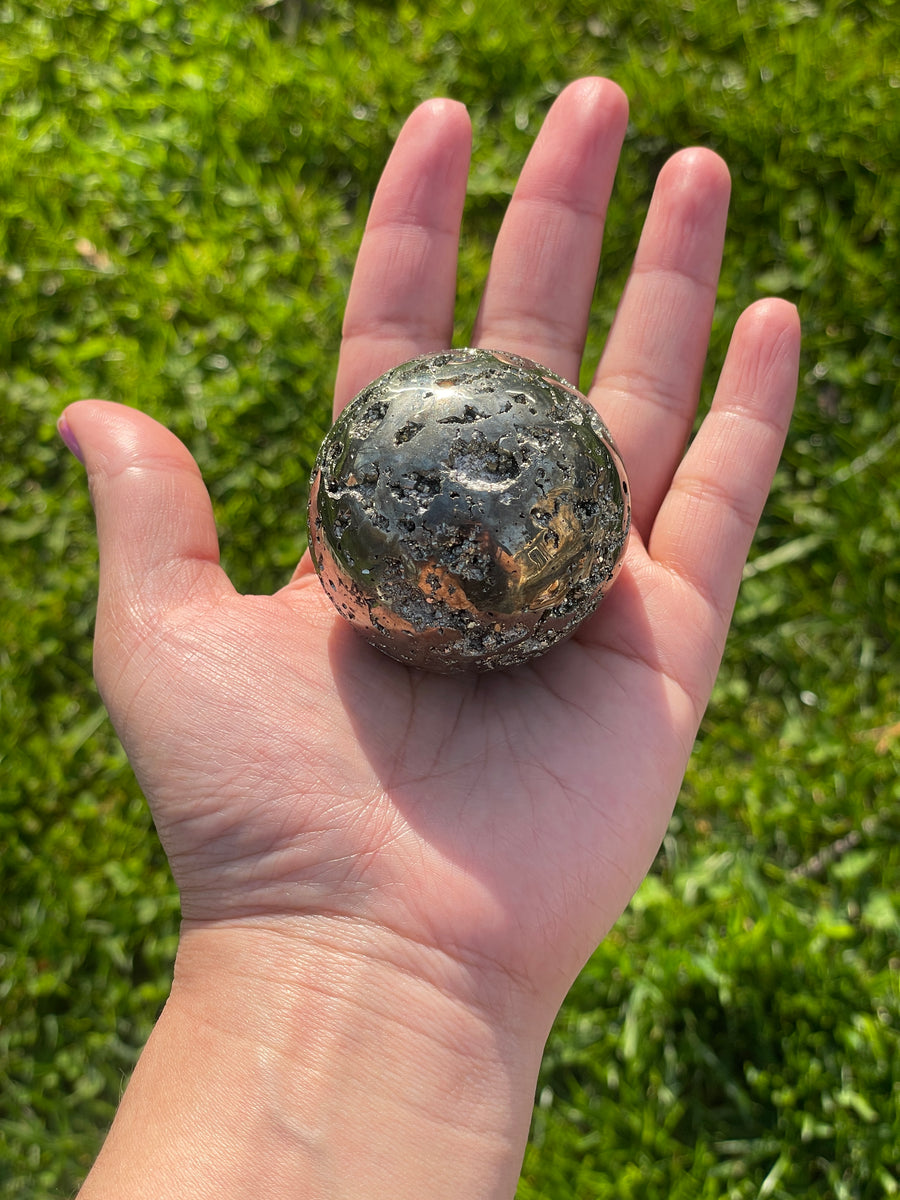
475 837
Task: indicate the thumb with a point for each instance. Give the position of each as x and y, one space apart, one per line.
155 524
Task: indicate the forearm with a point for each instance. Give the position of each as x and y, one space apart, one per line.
273 1073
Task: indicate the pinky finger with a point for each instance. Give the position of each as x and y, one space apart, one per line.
705 526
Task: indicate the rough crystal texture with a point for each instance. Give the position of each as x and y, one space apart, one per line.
468 510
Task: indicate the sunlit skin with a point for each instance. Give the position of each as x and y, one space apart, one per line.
390 879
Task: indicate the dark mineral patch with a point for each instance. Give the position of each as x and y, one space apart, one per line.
468 510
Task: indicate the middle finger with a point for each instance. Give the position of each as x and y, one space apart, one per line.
544 267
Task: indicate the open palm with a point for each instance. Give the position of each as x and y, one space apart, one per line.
498 822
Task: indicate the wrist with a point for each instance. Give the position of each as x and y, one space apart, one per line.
306 1065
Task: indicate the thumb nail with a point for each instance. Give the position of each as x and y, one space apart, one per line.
65 432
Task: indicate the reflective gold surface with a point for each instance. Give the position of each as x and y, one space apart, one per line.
468 510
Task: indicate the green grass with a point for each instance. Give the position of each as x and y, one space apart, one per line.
182 190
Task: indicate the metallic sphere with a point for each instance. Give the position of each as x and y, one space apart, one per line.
468 510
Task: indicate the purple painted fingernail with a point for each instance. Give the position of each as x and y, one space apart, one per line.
65 432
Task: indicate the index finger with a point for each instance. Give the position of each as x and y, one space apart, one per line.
404 283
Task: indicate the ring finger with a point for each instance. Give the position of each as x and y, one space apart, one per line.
648 382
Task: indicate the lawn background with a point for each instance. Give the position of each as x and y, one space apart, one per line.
182 192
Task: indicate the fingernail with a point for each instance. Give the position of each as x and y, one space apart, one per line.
65 432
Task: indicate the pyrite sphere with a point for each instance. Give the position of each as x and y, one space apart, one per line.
468 510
